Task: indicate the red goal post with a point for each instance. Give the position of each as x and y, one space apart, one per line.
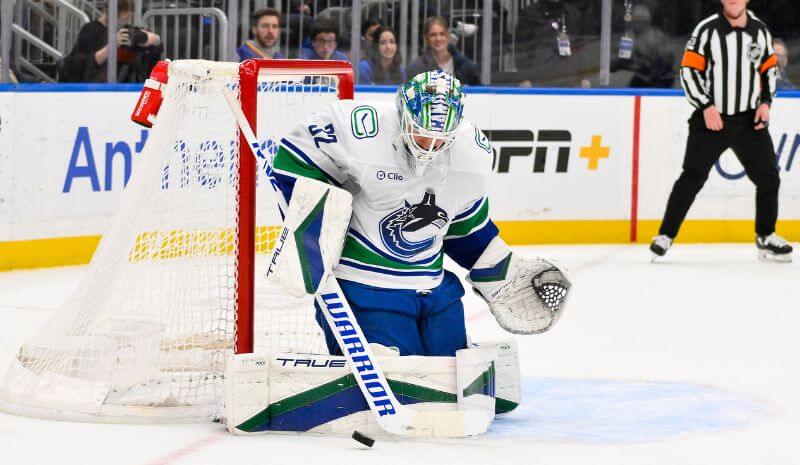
250 72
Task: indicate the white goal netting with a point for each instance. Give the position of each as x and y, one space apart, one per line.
144 336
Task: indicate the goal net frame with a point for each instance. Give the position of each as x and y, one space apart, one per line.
55 379
249 72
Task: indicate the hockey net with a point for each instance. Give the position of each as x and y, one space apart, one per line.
177 282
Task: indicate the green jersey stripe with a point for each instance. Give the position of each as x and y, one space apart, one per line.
285 161
470 231
355 251
466 225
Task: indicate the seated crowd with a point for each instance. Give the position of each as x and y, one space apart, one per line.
554 44
379 61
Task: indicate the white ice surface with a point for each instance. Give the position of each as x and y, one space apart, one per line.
693 360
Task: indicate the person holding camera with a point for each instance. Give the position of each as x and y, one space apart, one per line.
138 50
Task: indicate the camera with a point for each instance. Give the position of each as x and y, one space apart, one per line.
138 38
136 58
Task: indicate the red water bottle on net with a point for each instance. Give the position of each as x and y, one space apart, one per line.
150 99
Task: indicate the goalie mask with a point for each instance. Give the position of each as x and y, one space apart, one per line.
430 106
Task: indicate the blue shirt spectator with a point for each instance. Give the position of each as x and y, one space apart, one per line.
266 29
251 50
311 54
382 65
323 44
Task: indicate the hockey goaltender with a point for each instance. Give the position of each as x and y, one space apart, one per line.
374 195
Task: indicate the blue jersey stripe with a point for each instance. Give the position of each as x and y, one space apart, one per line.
466 250
471 210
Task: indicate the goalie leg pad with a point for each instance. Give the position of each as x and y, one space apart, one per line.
526 296
475 380
508 380
311 241
246 393
317 393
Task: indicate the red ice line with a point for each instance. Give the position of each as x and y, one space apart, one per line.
196 446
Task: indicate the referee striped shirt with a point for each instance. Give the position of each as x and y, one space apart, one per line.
734 69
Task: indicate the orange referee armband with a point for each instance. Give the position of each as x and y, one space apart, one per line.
694 60
771 62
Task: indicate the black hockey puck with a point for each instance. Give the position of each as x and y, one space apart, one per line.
366 440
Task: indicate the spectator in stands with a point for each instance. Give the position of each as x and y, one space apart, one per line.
301 7
439 53
552 43
323 43
782 54
383 63
368 28
265 25
651 60
138 50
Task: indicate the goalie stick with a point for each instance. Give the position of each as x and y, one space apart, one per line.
389 413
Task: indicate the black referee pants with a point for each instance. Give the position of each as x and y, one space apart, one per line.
755 152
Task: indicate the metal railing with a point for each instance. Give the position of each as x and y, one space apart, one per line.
6 12
42 46
39 32
486 30
191 32
70 20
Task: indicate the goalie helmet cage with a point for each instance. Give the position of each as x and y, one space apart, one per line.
176 283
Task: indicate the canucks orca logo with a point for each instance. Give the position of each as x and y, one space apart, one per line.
412 229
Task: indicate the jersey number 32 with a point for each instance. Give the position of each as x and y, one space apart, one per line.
322 135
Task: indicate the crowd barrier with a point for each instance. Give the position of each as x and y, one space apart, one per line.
570 166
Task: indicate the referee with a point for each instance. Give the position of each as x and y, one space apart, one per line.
729 72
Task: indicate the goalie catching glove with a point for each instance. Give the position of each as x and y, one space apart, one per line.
526 296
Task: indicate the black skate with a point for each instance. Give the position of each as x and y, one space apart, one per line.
660 245
773 248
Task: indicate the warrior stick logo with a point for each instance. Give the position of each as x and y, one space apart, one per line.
412 229
354 343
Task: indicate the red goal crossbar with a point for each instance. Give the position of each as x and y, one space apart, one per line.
249 72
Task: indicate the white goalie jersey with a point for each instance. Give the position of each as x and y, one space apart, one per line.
401 224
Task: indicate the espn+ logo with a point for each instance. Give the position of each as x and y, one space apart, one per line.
517 144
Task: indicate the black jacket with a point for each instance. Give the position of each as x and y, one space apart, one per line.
465 69
80 65
133 64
